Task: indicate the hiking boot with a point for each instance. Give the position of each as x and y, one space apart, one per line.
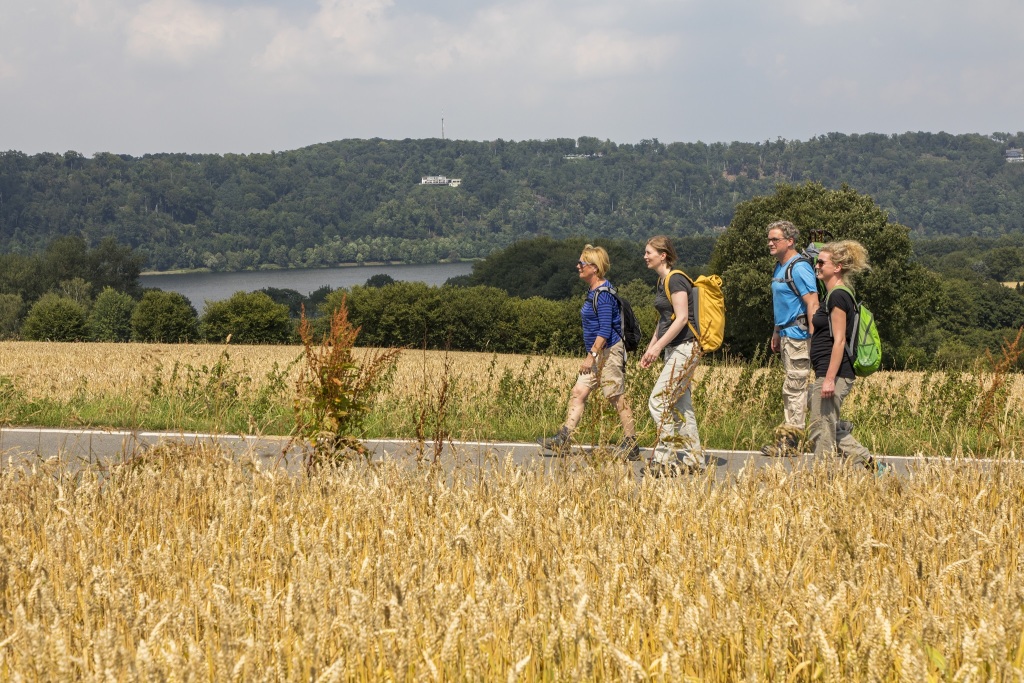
690 464
880 468
661 470
558 444
628 449
786 447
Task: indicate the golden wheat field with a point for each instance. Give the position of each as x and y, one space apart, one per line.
60 370
186 565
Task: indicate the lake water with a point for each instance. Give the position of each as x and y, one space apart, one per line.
202 287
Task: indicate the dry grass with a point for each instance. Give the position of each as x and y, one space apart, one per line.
58 370
492 397
188 566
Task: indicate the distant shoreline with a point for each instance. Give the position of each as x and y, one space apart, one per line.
264 268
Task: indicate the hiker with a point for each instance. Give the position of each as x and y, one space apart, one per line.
833 324
605 362
794 302
670 404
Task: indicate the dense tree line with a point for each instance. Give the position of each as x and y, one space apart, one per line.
360 200
939 302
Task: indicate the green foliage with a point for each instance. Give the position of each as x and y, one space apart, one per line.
547 267
110 319
290 298
218 397
10 314
78 290
360 200
900 292
413 314
380 280
335 391
166 317
69 268
247 318
55 318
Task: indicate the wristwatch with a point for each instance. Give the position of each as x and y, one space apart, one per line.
594 354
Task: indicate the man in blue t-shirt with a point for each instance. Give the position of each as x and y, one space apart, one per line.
794 301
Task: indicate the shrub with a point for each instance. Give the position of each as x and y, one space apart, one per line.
55 318
10 311
166 317
248 318
111 316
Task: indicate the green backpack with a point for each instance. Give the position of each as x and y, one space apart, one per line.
865 349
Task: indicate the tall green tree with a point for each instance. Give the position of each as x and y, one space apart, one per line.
899 291
10 312
110 319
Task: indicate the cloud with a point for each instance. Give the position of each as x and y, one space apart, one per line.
352 35
539 40
826 12
175 31
7 70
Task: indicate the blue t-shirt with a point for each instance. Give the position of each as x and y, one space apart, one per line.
787 305
605 322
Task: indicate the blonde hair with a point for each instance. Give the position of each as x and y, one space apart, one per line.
849 255
663 244
599 257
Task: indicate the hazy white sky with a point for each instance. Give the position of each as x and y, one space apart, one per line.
138 76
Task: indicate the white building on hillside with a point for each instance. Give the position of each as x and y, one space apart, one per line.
440 180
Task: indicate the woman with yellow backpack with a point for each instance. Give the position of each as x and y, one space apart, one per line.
671 405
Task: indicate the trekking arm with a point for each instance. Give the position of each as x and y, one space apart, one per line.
604 308
680 306
649 355
590 361
838 320
811 304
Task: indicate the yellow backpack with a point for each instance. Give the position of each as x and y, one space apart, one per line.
707 312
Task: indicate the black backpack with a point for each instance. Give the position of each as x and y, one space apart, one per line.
632 335
810 257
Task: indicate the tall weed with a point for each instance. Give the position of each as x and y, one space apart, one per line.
335 392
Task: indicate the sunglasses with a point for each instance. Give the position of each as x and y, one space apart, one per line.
583 264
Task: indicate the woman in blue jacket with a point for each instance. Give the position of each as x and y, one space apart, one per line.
605 363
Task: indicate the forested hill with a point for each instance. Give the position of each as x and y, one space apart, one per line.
356 200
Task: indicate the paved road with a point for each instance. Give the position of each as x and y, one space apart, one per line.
90 447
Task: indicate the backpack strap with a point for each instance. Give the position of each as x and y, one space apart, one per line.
689 304
788 277
593 303
848 347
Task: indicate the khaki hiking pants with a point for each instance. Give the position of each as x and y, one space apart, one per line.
829 434
671 407
796 363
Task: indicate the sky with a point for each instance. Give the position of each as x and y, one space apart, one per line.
243 76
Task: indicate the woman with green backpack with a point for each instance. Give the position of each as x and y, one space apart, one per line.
834 323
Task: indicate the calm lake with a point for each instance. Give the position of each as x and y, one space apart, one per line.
202 287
